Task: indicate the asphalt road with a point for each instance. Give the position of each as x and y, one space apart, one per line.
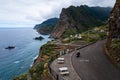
94 65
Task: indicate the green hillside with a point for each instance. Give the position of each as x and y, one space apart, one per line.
47 26
79 19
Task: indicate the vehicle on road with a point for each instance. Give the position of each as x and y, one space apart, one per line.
78 54
63 71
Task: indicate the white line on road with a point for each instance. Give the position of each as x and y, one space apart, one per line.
84 60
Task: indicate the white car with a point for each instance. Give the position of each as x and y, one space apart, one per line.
63 71
60 60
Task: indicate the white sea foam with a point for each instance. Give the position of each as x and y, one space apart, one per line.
22 67
31 65
17 62
35 57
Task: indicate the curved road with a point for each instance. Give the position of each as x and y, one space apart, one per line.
94 65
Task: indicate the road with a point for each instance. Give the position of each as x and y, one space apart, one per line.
94 65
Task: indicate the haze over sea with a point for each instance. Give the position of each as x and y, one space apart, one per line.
18 60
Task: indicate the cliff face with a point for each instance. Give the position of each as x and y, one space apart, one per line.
78 19
47 26
113 40
61 25
114 23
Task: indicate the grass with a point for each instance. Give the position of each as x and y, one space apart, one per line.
89 36
95 34
115 44
113 52
22 77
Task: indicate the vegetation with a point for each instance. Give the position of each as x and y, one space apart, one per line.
47 26
36 72
85 17
40 70
115 44
74 20
89 36
113 40
22 77
48 48
114 52
95 34
69 32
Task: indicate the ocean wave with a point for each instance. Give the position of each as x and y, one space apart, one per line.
31 65
22 67
35 57
17 62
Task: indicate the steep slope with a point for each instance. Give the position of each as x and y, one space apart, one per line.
113 40
47 26
78 19
114 22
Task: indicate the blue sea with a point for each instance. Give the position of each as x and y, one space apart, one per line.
18 60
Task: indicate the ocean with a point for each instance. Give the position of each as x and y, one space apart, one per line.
18 60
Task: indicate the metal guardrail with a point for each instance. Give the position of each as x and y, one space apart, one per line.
90 44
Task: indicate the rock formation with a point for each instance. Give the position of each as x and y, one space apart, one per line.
114 23
39 38
61 25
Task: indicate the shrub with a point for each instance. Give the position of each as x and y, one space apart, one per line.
115 44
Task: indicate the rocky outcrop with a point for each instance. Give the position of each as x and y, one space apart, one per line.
78 19
114 23
46 27
10 47
39 38
61 26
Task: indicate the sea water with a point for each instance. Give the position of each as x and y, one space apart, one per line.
18 60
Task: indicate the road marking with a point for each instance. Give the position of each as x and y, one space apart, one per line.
84 60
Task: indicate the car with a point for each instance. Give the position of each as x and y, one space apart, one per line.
60 60
63 71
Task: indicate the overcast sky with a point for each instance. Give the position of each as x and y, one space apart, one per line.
27 13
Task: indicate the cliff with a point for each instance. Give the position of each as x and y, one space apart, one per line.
46 27
114 23
40 69
78 19
113 40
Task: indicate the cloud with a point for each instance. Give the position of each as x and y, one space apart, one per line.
36 11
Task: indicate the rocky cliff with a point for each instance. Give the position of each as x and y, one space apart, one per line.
113 40
78 19
114 23
46 27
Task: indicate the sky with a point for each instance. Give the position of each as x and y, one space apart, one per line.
27 13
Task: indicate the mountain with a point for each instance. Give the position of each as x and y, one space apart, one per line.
47 26
78 19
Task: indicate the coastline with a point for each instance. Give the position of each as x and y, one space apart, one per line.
17 61
36 62
47 52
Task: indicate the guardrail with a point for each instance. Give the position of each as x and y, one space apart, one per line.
90 44
55 75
